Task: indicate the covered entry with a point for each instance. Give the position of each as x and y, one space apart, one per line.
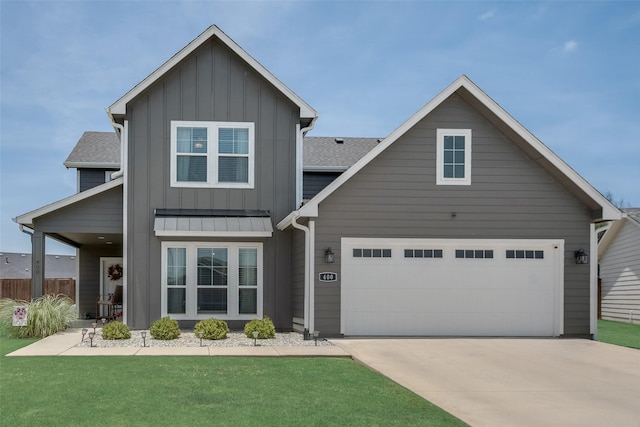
452 287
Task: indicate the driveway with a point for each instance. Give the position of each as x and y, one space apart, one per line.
513 382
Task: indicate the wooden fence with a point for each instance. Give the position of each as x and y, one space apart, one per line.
20 289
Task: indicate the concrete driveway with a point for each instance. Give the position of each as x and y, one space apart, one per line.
513 382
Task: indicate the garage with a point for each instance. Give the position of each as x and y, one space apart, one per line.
451 287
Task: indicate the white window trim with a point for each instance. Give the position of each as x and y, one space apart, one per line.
440 178
212 154
192 288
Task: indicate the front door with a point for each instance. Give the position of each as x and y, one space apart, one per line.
111 274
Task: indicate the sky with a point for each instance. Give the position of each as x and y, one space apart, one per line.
569 71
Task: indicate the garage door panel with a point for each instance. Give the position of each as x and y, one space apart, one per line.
493 296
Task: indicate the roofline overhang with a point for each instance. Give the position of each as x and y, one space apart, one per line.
119 108
608 210
91 165
27 218
325 168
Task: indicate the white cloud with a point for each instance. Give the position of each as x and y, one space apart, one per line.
570 46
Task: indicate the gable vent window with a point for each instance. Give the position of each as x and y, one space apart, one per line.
474 253
453 160
212 154
524 254
423 253
372 253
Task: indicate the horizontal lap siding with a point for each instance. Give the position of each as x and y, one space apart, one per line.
510 197
212 84
620 274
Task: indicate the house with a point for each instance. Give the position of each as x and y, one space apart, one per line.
619 252
460 222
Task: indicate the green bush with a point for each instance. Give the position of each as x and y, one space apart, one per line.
165 329
212 329
115 331
46 315
264 327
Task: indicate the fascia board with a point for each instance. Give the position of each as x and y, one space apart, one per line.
27 218
91 165
609 211
610 235
120 106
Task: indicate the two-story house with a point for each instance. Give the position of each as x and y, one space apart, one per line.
460 222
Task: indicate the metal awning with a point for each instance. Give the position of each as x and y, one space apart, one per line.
212 223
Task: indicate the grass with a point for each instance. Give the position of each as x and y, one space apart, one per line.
618 333
159 391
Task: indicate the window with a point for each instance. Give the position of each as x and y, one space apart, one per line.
474 253
453 166
372 253
524 254
212 154
423 253
203 280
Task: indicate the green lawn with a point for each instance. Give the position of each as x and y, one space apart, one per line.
619 333
161 391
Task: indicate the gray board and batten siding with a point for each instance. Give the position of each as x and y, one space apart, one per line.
510 197
211 84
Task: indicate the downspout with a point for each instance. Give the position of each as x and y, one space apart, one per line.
307 257
120 131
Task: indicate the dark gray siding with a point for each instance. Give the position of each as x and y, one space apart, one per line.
314 182
89 272
90 178
510 197
212 84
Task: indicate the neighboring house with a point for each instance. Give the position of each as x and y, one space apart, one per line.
18 266
460 222
619 252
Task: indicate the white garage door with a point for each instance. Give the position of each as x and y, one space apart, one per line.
452 287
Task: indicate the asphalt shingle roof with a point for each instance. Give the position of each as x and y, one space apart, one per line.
101 148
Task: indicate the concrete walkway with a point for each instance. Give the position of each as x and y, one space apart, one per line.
513 382
63 344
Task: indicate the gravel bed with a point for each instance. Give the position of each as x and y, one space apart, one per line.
188 339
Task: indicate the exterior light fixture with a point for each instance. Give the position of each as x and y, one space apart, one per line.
329 256
84 332
144 338
581 257
255 337
316 334
91 337
200 334
103 321
94 324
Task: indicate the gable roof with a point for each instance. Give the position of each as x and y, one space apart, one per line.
629 215
99 150
471 93
119 107
329 154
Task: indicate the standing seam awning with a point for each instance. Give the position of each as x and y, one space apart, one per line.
204 226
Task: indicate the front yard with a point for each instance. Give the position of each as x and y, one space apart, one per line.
159 391
618 333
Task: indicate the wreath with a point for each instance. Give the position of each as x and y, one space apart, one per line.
114 272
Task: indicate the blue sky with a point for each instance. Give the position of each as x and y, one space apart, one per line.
568 71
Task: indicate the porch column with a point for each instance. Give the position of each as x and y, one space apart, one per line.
37 264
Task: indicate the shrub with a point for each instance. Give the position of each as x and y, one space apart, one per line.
212 329
264 327
46 315
165 329
115 331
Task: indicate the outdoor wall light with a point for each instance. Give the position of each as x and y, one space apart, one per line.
255 337
144 338
84 332
581 257
91 337
329 256
316 334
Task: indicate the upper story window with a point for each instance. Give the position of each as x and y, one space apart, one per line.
212 154
453 157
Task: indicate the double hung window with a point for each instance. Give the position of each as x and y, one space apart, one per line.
212 154
453 157
202 280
